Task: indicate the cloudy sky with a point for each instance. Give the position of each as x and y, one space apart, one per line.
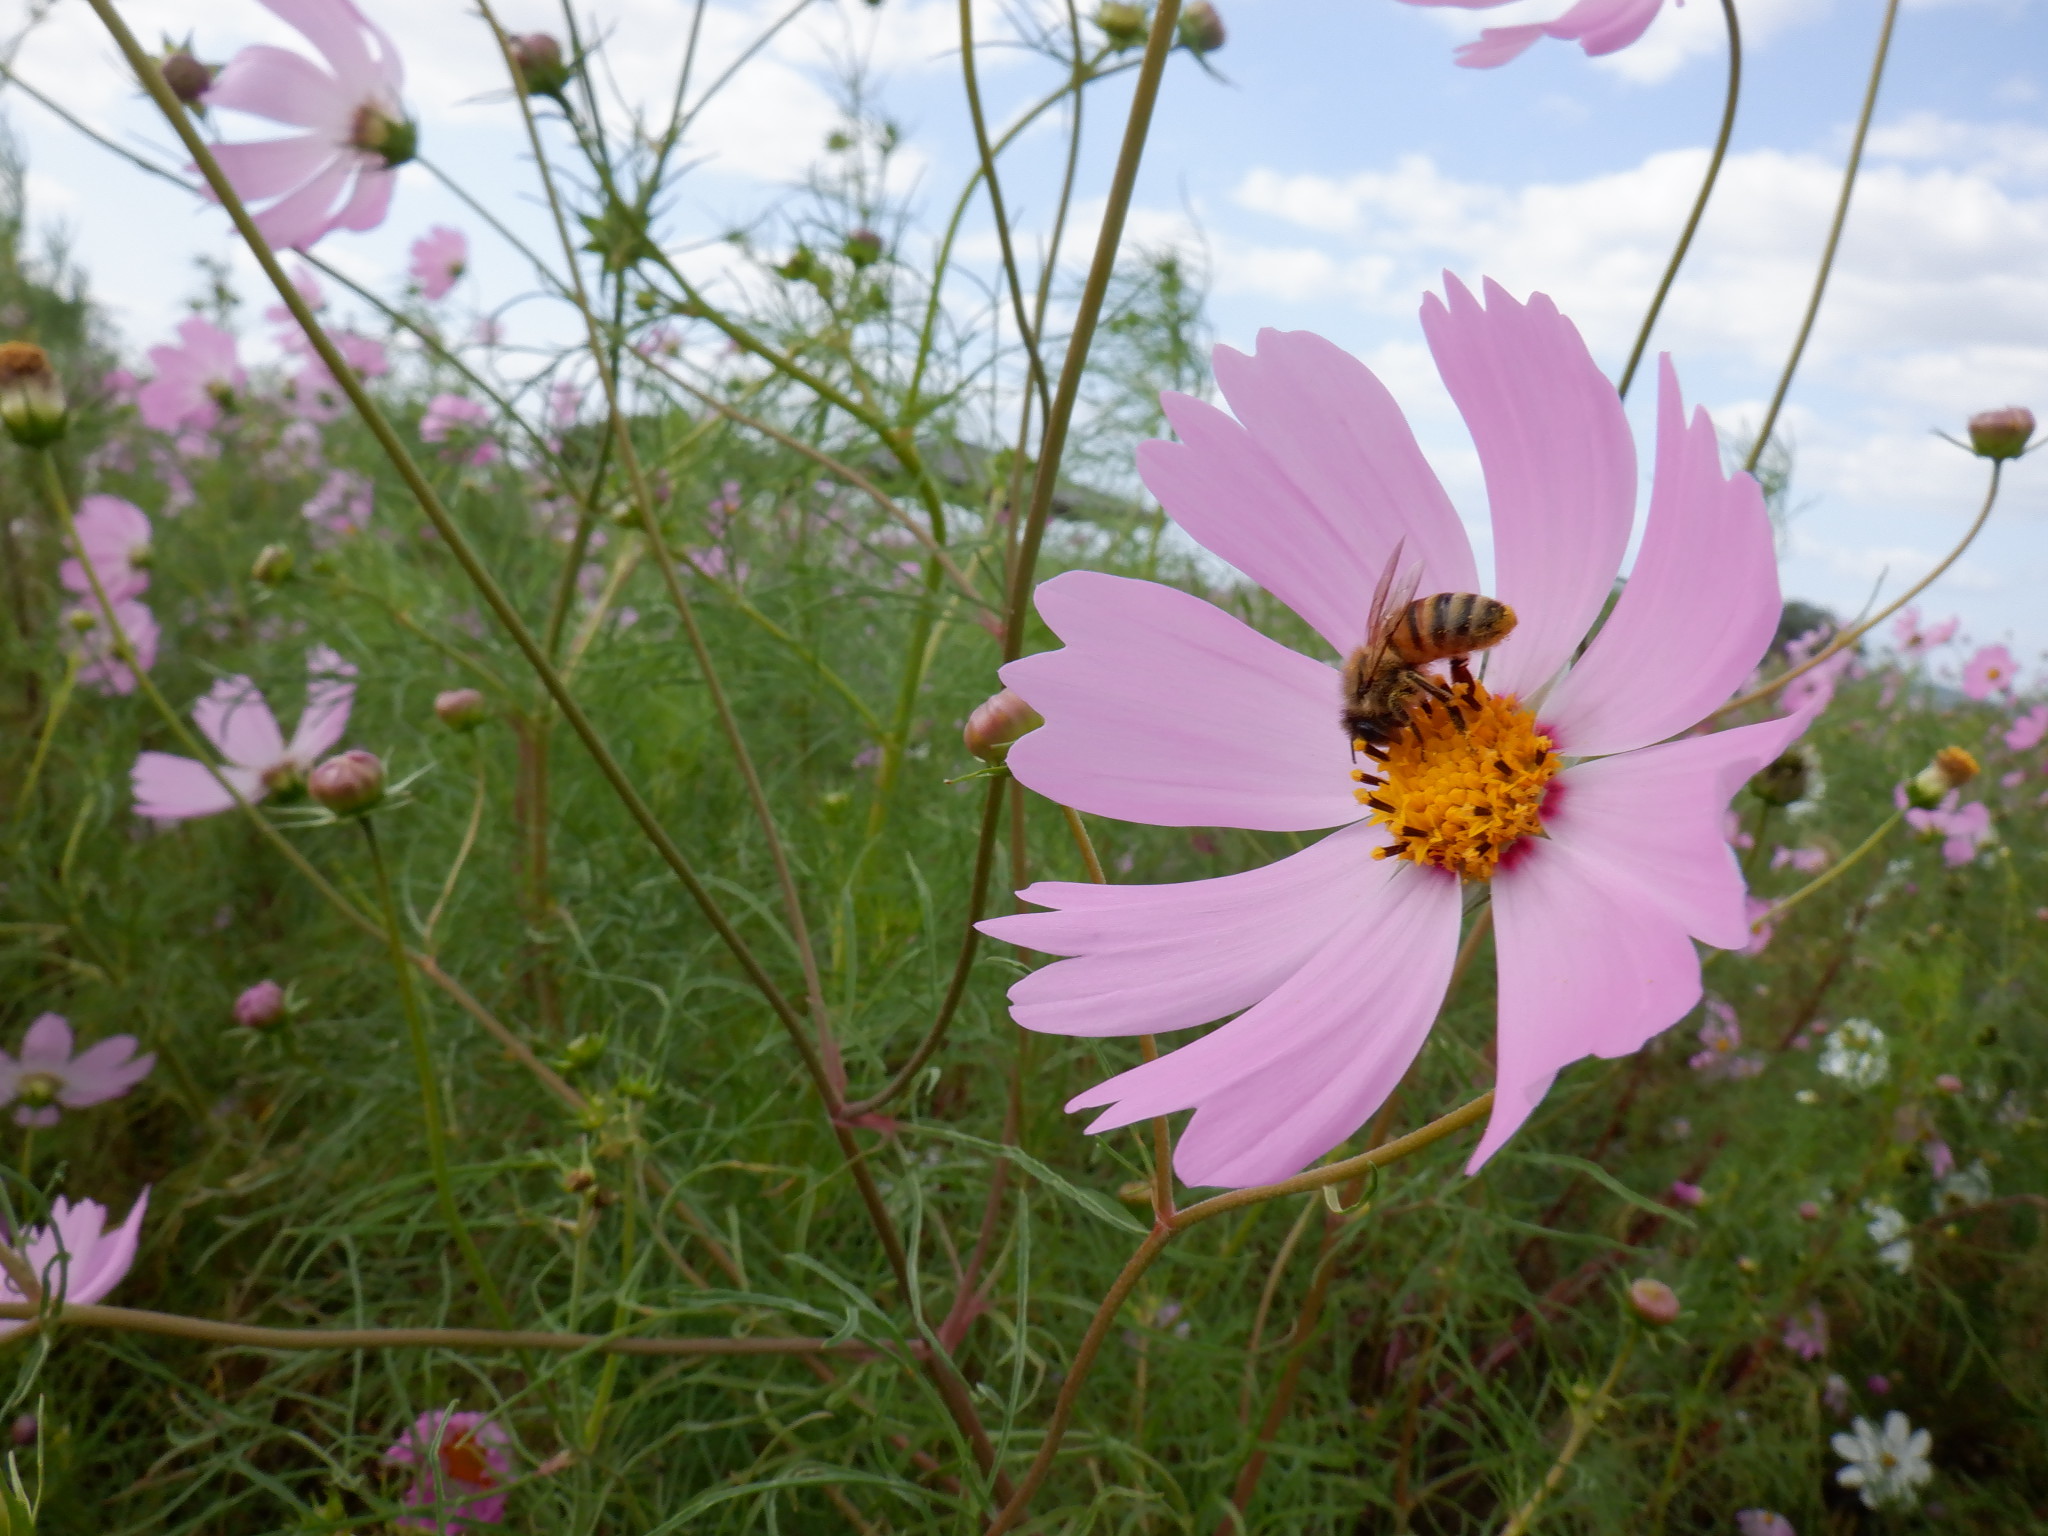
1337 168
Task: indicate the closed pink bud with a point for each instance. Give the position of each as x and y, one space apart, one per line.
349 784
2002 434
1687 1194
998 722
541 68
1948 1082
261 1006
1653 1301
460 709
1809 1210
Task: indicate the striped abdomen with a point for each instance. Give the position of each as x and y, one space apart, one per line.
1449 624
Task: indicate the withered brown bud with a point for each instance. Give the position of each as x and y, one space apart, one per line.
1952 768
188 79
32 405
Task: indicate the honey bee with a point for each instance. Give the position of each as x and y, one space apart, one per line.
1383 678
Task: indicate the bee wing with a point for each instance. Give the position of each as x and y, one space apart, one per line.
1390 599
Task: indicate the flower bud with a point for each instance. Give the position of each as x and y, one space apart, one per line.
997 722
261 1006
84 620
460 709
1784 780
1653 1301
32 404
1948 1082
1952 768
863 248
2002 434
1122 26
188 79
273 565
541 69
1201 29
349 784
27 1429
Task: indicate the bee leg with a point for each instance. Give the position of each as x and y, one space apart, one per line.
1461 671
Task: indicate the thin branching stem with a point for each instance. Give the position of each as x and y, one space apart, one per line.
1827 255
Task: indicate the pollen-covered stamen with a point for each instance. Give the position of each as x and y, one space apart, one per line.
1460 782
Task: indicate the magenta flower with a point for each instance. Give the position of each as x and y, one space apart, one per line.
1597 26
75 1256
47 1078
194 380
1335 959
339 174
2027 731
439 257
459 1458
255 757
114 537
87 636
1806 1333
1988 672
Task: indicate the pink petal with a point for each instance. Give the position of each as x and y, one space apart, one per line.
1605 26
1590 964
47 1043
1165 709
171 788
1655 819
1153 958
270 168
1283 1083
1310 494
370 201
330 693
1496 45
335 27
286 88
1699 609
297 221
103 1258
234 717
104 1071
1560 468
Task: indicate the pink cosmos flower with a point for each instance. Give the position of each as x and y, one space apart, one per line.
341 506
1988 672
1335 959
1806 1333
193 380
309 289
1941 1161
339 174
261 1006
75 1256
565 399
439 257
316 394
1762 1522
1721 1045
1597 26
255 757
1687 1194
2027 731
455 415
459 1459
1963 828
114 537
87 636
47 1079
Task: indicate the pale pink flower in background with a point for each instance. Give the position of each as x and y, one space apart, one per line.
339 174
261 1006
1721 1044
565 399
1597 26
315 297
458 1460
1762 1522
1806 1333
2013 779
342 504
1941 1162
1687 1194
1807 861
75 1256
121 386
1814 689
88 637
114 537
194 379
1988 672
47 1079
439 257
318 397
449 414
255 757
2027 731
1335 959
1834 1394
488 331
1963 828
658 340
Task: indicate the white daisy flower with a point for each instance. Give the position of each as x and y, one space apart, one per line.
1887 1469
1856 1053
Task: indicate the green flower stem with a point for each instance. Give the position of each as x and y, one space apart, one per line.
1827 257
452 536
1833 873
430 1092
1699 206
58 702
1851 635
1155 1243
1586 1418
1158 44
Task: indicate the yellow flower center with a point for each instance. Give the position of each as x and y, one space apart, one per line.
1460 783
